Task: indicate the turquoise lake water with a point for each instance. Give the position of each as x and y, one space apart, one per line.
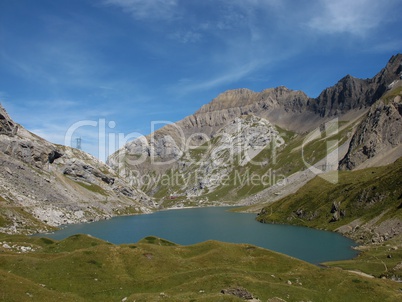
189 226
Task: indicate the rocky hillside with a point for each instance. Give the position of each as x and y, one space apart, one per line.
206 168
378 139
44 185
292 114
365 204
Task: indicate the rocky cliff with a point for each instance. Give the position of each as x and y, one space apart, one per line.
378 138
352 93
44 185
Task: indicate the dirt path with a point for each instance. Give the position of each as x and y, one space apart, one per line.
362 274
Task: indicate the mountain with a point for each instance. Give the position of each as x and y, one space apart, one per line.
351 93
185 149
243 147
43 185
378 139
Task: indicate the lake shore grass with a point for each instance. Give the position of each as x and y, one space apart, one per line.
83 268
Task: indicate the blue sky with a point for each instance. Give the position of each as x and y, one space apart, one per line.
127 63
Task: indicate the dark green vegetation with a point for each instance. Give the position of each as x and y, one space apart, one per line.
92 187
83 268
363 194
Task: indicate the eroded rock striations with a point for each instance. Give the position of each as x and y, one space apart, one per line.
378 138
42 184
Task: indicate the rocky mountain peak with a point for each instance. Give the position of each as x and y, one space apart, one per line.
351 93
229 99
243 98
390 73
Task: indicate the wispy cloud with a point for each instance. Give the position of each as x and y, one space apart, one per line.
356 17
75 61
147 9
229 75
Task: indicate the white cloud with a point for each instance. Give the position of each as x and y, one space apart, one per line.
356 17
147 9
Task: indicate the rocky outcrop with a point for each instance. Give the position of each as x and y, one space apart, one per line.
20 144
235 145
277 103
348 94
7 126
79 169
43 185
238 292
379 133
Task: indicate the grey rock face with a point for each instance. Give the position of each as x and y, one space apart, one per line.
234 103
236 144
7 126
55 185
379 132
79 169
352 93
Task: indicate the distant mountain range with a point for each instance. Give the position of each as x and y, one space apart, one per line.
243 147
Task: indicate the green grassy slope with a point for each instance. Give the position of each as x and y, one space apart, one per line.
364 200
363 194
82 268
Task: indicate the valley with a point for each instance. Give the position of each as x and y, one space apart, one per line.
330 163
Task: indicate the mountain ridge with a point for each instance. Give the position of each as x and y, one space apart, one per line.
261 135
290 110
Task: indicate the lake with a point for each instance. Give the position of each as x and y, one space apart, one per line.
189 226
